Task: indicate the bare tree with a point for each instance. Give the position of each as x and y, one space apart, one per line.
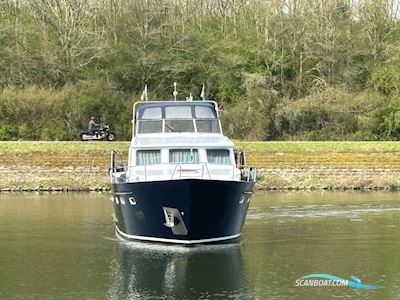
379 18
74 24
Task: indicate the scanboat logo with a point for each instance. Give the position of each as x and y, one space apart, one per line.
330 280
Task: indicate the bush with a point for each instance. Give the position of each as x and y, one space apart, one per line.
386 80
244 122
37 113
329 115
6 132
251 117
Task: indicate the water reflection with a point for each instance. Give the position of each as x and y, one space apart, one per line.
63 246
141 271
289 235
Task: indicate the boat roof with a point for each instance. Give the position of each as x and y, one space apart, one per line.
181 140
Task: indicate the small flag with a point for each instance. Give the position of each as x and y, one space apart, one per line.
144 94
203 92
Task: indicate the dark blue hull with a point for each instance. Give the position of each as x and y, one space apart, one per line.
187 211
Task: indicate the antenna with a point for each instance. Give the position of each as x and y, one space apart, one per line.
175 92
203 92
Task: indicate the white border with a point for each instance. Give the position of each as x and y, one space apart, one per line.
186 242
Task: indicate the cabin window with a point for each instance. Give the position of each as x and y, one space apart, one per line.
210 126
152 113
184 156
178 112
148 157
219 156
204 112
179 126
150 126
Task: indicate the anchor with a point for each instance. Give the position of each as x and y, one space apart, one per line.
174 220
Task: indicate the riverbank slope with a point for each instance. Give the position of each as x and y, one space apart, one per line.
67 166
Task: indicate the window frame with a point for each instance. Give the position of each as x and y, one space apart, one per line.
195 150
220 149
148 150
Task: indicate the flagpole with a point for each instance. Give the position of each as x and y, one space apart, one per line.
175 92
144 97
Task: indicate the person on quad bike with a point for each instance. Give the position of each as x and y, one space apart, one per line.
93 126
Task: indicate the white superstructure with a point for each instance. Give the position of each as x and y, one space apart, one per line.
175 140
179 156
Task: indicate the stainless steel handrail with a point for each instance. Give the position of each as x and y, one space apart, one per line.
247 173
208 170
115 166
203 166
173 173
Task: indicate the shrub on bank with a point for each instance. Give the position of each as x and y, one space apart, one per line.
333 113
60 114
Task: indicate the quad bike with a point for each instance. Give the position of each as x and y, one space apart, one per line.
100 133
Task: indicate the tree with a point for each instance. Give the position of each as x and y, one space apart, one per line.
77 38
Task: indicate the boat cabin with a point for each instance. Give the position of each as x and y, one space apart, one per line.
179 139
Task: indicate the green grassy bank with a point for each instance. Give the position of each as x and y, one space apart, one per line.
282 165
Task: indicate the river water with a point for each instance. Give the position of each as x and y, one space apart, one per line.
62 246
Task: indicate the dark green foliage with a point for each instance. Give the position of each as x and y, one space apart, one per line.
386 80
301 71
49 114
332 114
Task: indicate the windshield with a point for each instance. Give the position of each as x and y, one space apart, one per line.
150 126
183 117
179 126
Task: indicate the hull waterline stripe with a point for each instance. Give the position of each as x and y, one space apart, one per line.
175 241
